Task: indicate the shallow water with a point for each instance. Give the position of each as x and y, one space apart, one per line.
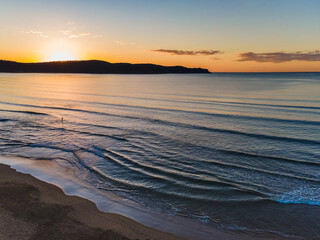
235 151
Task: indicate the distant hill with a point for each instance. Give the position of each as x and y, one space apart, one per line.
93 66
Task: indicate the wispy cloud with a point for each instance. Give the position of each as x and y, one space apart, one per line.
41 34
79 35
67 32
280 57
73 33
189 53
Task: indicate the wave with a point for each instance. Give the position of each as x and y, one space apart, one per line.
230 116
175 179
204 101
301 195
88 133
155 169
252 155
5 120
25 112
190 126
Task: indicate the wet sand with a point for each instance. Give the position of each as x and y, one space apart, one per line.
35 210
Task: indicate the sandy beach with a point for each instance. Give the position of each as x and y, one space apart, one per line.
32 209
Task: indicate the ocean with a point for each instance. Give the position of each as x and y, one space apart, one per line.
238 152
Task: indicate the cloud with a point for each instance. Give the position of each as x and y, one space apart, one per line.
79 35
41 34
280 57
188 53
71 32
67 32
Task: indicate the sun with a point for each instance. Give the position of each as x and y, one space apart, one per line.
60 50
61 56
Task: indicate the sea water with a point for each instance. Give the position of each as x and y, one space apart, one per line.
233 151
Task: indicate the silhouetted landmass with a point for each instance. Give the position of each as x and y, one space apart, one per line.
93 66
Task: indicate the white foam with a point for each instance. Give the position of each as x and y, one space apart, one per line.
302 195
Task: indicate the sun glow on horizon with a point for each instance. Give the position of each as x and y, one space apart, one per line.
60 50
61 56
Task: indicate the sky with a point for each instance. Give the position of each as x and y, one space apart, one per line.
220 35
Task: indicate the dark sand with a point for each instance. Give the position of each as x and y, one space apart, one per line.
35 210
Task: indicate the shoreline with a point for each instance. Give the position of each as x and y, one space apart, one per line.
32 209
160 226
